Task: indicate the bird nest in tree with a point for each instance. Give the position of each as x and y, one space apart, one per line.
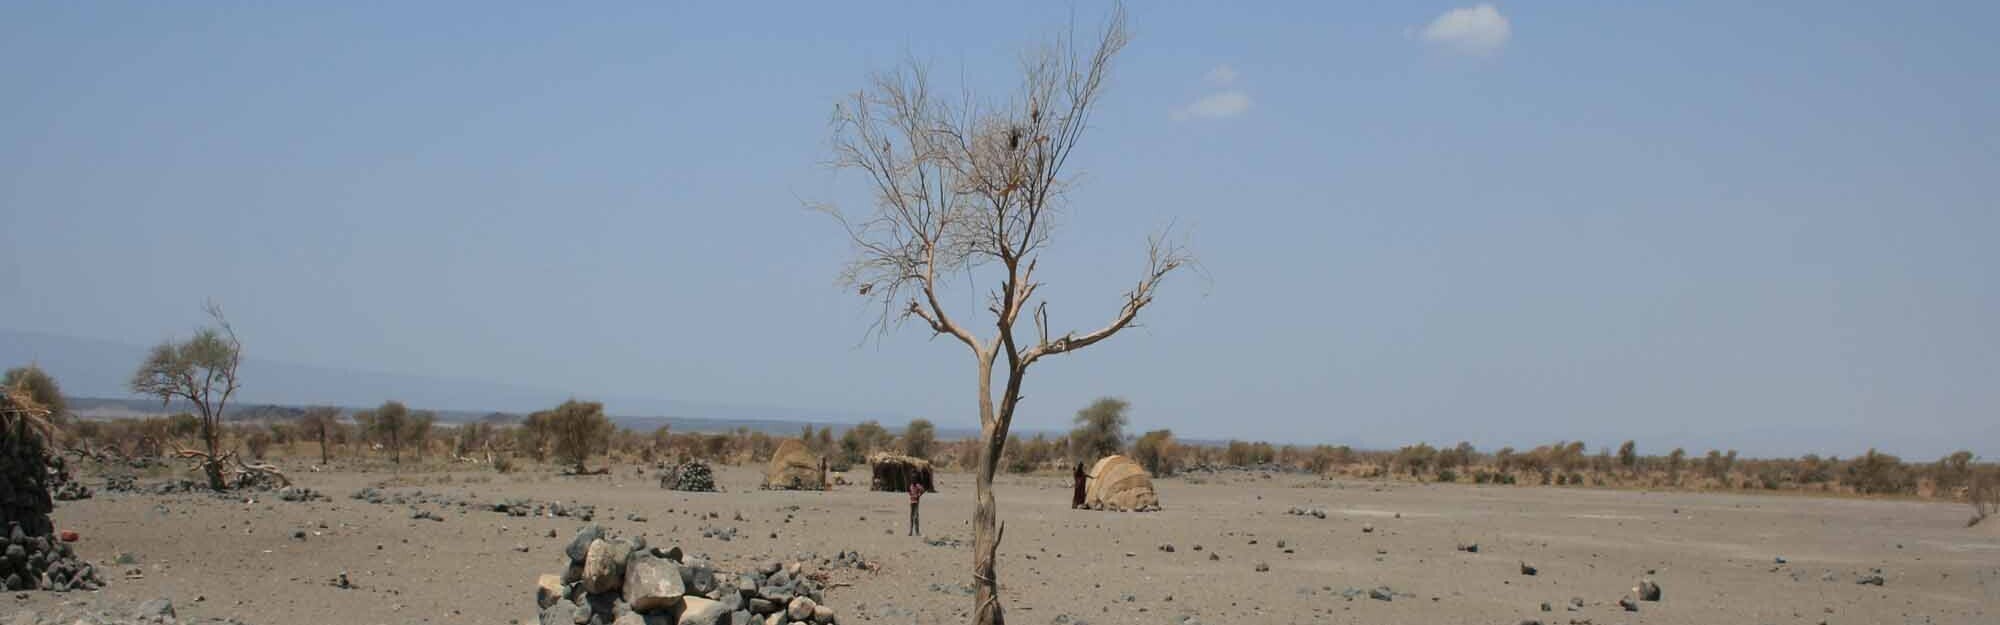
894 473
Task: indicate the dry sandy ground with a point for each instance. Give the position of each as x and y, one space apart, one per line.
1713 554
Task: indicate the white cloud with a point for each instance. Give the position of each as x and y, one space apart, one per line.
1216 106
1222 75
1473 30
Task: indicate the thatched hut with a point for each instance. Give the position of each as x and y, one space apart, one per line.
794 467
1119 483
893 473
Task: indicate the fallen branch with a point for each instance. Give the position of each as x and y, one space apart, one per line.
242 471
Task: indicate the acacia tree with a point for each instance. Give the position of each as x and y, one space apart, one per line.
202 371
919 438
391 424
1100 429
318 424
1628 457
967 191
418 430
577 428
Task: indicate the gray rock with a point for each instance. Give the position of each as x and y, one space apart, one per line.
741 617
800 609
1648 591
548 590
698 576
760 605
699 611
730 598
653 584
155 609
1527 569
558 614
604 565
781 595
1382 593
822 615
580 546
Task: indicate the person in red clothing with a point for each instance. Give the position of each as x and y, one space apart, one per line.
916 495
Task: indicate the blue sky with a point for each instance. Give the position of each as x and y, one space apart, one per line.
1709 224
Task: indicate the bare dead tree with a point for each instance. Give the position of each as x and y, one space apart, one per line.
959 188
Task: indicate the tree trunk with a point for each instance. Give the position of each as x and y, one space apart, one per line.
213 464
322 448
986 539
985 514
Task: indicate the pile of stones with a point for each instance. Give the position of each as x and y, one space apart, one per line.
121 484
620 581
1317 513
34 556
692 476
72 491
301 494
848 560
530 507
510 507
170 487
154 612
44 563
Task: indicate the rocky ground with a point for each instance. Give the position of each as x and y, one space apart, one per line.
1231 547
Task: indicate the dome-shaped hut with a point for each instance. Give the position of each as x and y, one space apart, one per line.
1119 483
794 467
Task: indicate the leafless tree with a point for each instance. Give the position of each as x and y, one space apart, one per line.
962 189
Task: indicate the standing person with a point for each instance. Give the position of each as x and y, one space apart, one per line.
1076 500
916 495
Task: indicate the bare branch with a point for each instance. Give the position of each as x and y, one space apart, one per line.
1162 258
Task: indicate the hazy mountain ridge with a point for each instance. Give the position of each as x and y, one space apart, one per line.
94 372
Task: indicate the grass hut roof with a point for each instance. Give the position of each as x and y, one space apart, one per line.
1119 483
893 473
794 467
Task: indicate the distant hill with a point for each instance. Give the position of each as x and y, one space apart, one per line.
95 371
117 408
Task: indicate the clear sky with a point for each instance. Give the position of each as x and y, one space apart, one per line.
1769 226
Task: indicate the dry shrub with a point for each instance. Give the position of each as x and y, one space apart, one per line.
258 442
1984 495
